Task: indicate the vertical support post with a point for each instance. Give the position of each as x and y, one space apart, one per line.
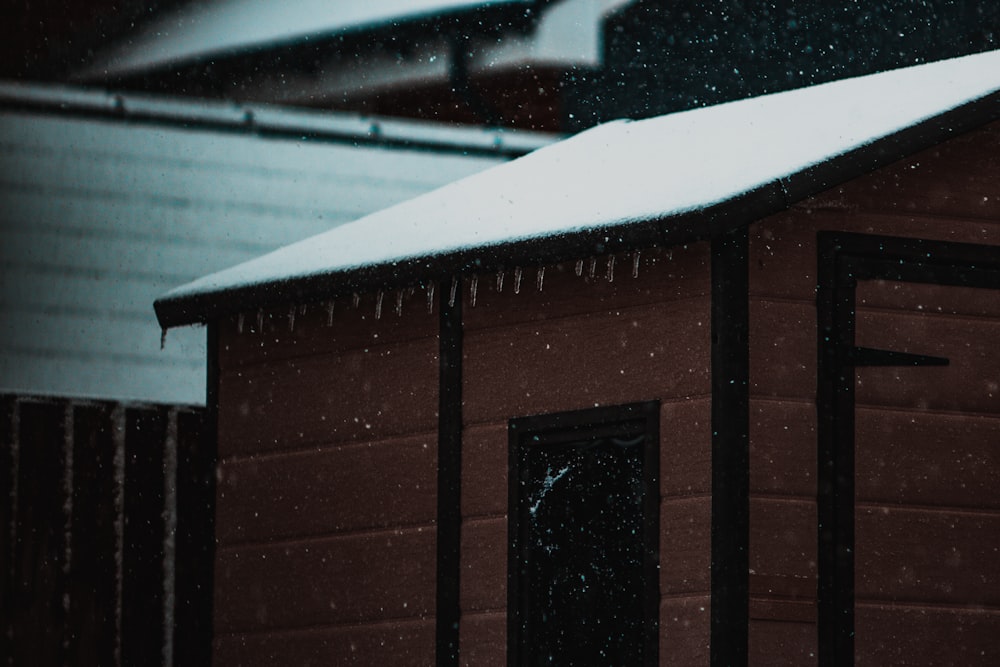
449 488
730 612
835 301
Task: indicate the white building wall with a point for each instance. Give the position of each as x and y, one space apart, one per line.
99 217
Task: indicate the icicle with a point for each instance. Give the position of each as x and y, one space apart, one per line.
329 312
399 303
579 267
540 278
593 267
302 309
260 320
239 323
430 298
163 337
378 305
356 299
454 288
517 280
635 264
291 317
473 287
611 269
499 281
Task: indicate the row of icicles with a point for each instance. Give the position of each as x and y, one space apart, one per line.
582 266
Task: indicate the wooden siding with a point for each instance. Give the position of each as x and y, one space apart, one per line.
100 217
327 486
577 342
946 193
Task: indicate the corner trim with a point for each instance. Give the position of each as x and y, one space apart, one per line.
449 480
730 613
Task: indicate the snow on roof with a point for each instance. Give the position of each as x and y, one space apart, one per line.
623 173
204 29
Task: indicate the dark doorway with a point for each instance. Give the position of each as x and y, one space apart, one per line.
909 409
584 523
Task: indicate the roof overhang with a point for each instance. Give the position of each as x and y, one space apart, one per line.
620 186
564 33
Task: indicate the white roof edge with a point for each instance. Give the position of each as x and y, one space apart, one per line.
621 173
264 118
228 26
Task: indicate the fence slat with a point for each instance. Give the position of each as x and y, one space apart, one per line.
142 557
38 583
92 577
195 540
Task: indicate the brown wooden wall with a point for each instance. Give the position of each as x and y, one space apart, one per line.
947 193
327 486
579 342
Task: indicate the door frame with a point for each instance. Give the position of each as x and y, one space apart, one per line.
844 259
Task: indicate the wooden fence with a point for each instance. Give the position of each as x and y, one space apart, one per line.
107 532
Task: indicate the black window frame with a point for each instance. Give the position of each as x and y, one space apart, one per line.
626 420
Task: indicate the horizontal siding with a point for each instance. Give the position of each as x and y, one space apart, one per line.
484 565
406 643
781 643
292 193
926 636
907 555
631 354
75 335
66 373
358 396
969 383
783 447
116 259
685 630
957 178
483 639
685 546
345 580
329 490
782 349
782 548
105 215
927 459
99 218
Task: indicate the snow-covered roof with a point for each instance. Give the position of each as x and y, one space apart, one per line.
621 178
224 26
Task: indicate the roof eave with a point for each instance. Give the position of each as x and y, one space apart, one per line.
685 227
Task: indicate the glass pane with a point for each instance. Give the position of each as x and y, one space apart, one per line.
581 548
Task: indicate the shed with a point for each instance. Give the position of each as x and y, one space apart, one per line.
719 387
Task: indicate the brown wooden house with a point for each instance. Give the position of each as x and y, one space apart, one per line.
720 387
